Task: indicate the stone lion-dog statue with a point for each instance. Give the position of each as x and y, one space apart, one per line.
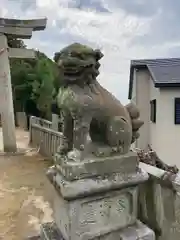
88 109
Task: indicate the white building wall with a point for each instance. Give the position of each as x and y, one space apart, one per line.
134 89
164 135
142 101
133 99
168 146
154 127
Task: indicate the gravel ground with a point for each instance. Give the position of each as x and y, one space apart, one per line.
25 193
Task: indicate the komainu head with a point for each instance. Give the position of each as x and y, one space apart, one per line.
78 64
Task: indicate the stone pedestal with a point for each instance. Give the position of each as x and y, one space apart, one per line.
97 199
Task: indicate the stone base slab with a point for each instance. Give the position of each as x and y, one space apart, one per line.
85 187
138 231
90 167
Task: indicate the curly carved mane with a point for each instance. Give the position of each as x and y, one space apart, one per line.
78 64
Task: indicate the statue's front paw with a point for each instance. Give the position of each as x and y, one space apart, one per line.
74 155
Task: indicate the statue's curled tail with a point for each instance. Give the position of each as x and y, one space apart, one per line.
136 122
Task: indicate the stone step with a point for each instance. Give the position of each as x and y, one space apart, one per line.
138 231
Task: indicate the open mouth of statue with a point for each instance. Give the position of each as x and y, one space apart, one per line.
73 70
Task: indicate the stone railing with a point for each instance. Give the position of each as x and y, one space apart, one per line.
43 137
159 204
41 122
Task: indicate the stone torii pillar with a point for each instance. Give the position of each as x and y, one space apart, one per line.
18 29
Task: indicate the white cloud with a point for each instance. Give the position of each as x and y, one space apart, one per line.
3 12
47 3
117 32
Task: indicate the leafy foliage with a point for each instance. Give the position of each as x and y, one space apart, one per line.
42 86
32 79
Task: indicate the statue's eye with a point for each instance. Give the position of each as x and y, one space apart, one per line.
72 54
77 55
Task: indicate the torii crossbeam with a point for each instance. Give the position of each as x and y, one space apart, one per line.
19 29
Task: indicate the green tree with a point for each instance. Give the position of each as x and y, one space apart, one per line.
21 83
42 85
32 79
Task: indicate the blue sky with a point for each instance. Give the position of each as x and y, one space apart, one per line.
122 29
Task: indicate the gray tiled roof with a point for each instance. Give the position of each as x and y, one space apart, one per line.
165 72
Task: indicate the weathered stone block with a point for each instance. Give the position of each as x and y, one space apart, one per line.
97 167
94 216
85 187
